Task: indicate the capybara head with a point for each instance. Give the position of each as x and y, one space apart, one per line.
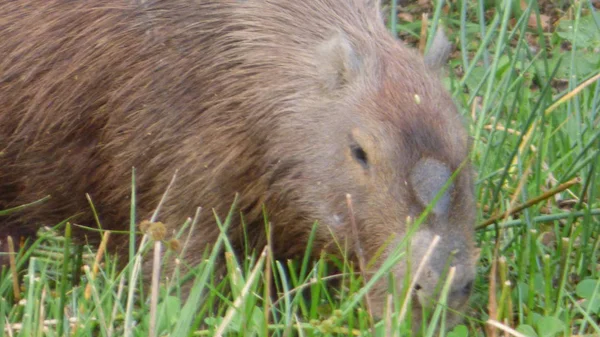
294 105
384 131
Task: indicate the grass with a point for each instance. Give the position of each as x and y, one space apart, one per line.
531 96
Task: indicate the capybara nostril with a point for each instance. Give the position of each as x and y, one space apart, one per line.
467 288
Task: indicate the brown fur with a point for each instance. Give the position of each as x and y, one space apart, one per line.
267 99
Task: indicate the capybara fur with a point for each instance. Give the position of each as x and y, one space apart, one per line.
291 104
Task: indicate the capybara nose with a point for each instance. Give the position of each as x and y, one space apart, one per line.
460 293
467 288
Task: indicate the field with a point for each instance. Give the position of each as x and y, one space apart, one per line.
526 76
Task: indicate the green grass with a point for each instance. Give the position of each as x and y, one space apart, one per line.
534 118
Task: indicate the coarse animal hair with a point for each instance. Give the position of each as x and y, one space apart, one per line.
291 104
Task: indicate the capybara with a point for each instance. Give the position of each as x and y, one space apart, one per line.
291 104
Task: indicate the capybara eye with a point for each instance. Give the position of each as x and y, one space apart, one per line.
359 155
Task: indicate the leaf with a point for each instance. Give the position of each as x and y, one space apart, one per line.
459 331
475 78
536 317
168 314
545 21
587 288
169 311
587 63
527 330
549 326
521 288
592 306
587 36
406 17
252 323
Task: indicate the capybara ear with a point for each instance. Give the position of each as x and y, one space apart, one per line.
374 3
378 11
438 53
427 178
337 62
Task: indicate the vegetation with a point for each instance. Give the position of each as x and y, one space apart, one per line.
526 74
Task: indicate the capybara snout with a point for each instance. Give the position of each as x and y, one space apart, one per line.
292 105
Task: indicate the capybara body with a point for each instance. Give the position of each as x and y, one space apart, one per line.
290 104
